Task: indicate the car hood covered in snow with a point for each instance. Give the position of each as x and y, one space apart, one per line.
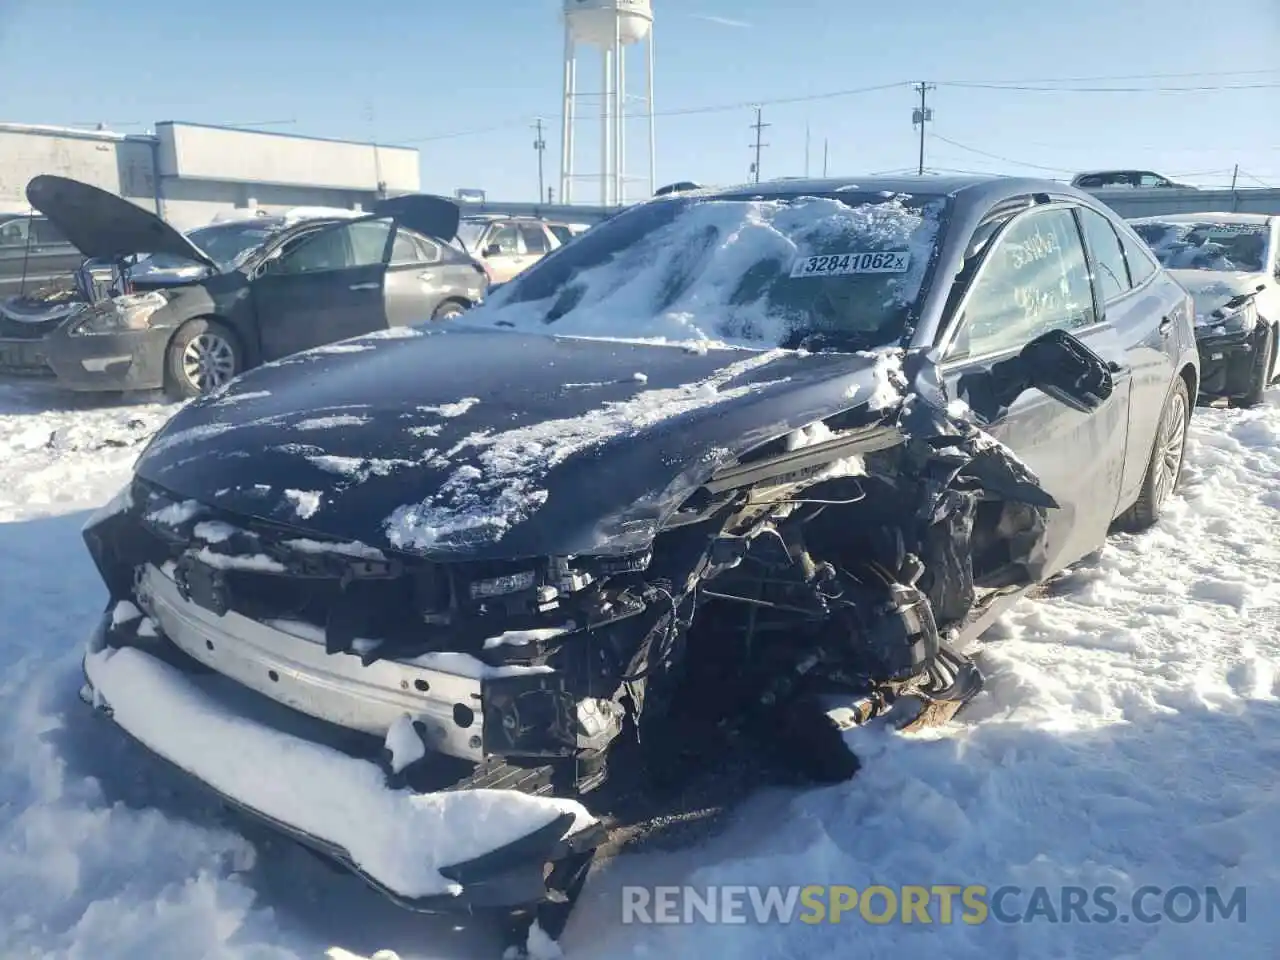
483 444
103 226
1210 289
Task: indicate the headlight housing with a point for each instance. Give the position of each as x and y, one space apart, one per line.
1228 320
119 315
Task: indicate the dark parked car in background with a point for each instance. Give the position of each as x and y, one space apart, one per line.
33 254
582 566
189 319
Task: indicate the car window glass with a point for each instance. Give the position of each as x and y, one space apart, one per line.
369 242
507 240
430 251
404 249
1034 279
324 250
1142 263
562 233
45 234
1110 274
535 240
13 233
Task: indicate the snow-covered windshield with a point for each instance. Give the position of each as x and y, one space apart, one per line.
470 232
842 270
1207 245
227 244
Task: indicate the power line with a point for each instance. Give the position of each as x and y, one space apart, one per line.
759 127
1128 76
996 156
1207 88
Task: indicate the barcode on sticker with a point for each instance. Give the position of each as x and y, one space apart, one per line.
839 264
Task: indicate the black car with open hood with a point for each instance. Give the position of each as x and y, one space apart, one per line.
727 476
283 284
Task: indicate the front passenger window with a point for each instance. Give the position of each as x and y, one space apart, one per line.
1035 279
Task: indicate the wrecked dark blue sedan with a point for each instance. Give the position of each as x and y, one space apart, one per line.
731 473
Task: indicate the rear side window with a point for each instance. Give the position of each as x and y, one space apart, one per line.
1110 275
1142 262
44 234
535 240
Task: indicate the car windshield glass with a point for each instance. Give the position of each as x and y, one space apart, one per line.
843 271
469 232
227 244
1207 245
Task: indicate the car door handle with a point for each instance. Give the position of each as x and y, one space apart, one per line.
1166 324
363 286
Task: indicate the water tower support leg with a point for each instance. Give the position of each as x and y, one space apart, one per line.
566 118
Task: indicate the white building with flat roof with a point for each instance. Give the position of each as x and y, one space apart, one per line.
190 172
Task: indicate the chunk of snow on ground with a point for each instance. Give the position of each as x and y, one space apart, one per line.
398 837
147 628
257 562
640 377
404 743
518 638
455 409
428 431
329 423
305 502
486 501
125 611
214 531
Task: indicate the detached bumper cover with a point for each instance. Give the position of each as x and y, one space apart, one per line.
1226 363
433 852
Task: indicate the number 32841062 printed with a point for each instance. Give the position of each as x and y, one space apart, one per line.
843 264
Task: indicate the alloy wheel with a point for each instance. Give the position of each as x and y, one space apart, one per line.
208 362
1173 437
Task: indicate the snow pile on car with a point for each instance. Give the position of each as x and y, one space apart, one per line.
398 837
718 272
507 485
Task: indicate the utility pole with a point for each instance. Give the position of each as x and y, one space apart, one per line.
806 151
759 127
922 115
540 146
1234 176
825 153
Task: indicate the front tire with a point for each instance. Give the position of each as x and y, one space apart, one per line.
202 356
1260 373
1164 467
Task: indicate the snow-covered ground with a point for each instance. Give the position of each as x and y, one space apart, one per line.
1129 735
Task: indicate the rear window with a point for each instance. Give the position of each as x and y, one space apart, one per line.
1207 244
842 271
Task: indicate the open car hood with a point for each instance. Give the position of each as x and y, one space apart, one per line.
103 226
435 216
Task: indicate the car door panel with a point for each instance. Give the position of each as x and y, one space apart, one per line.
1078 457
319 292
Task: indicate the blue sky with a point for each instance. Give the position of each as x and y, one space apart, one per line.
418 72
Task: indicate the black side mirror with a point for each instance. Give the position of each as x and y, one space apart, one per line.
1063 367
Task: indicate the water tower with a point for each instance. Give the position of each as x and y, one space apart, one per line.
609 26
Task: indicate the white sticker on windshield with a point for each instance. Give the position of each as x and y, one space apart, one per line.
841 264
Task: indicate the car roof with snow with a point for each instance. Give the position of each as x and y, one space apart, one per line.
1211 216
976 187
